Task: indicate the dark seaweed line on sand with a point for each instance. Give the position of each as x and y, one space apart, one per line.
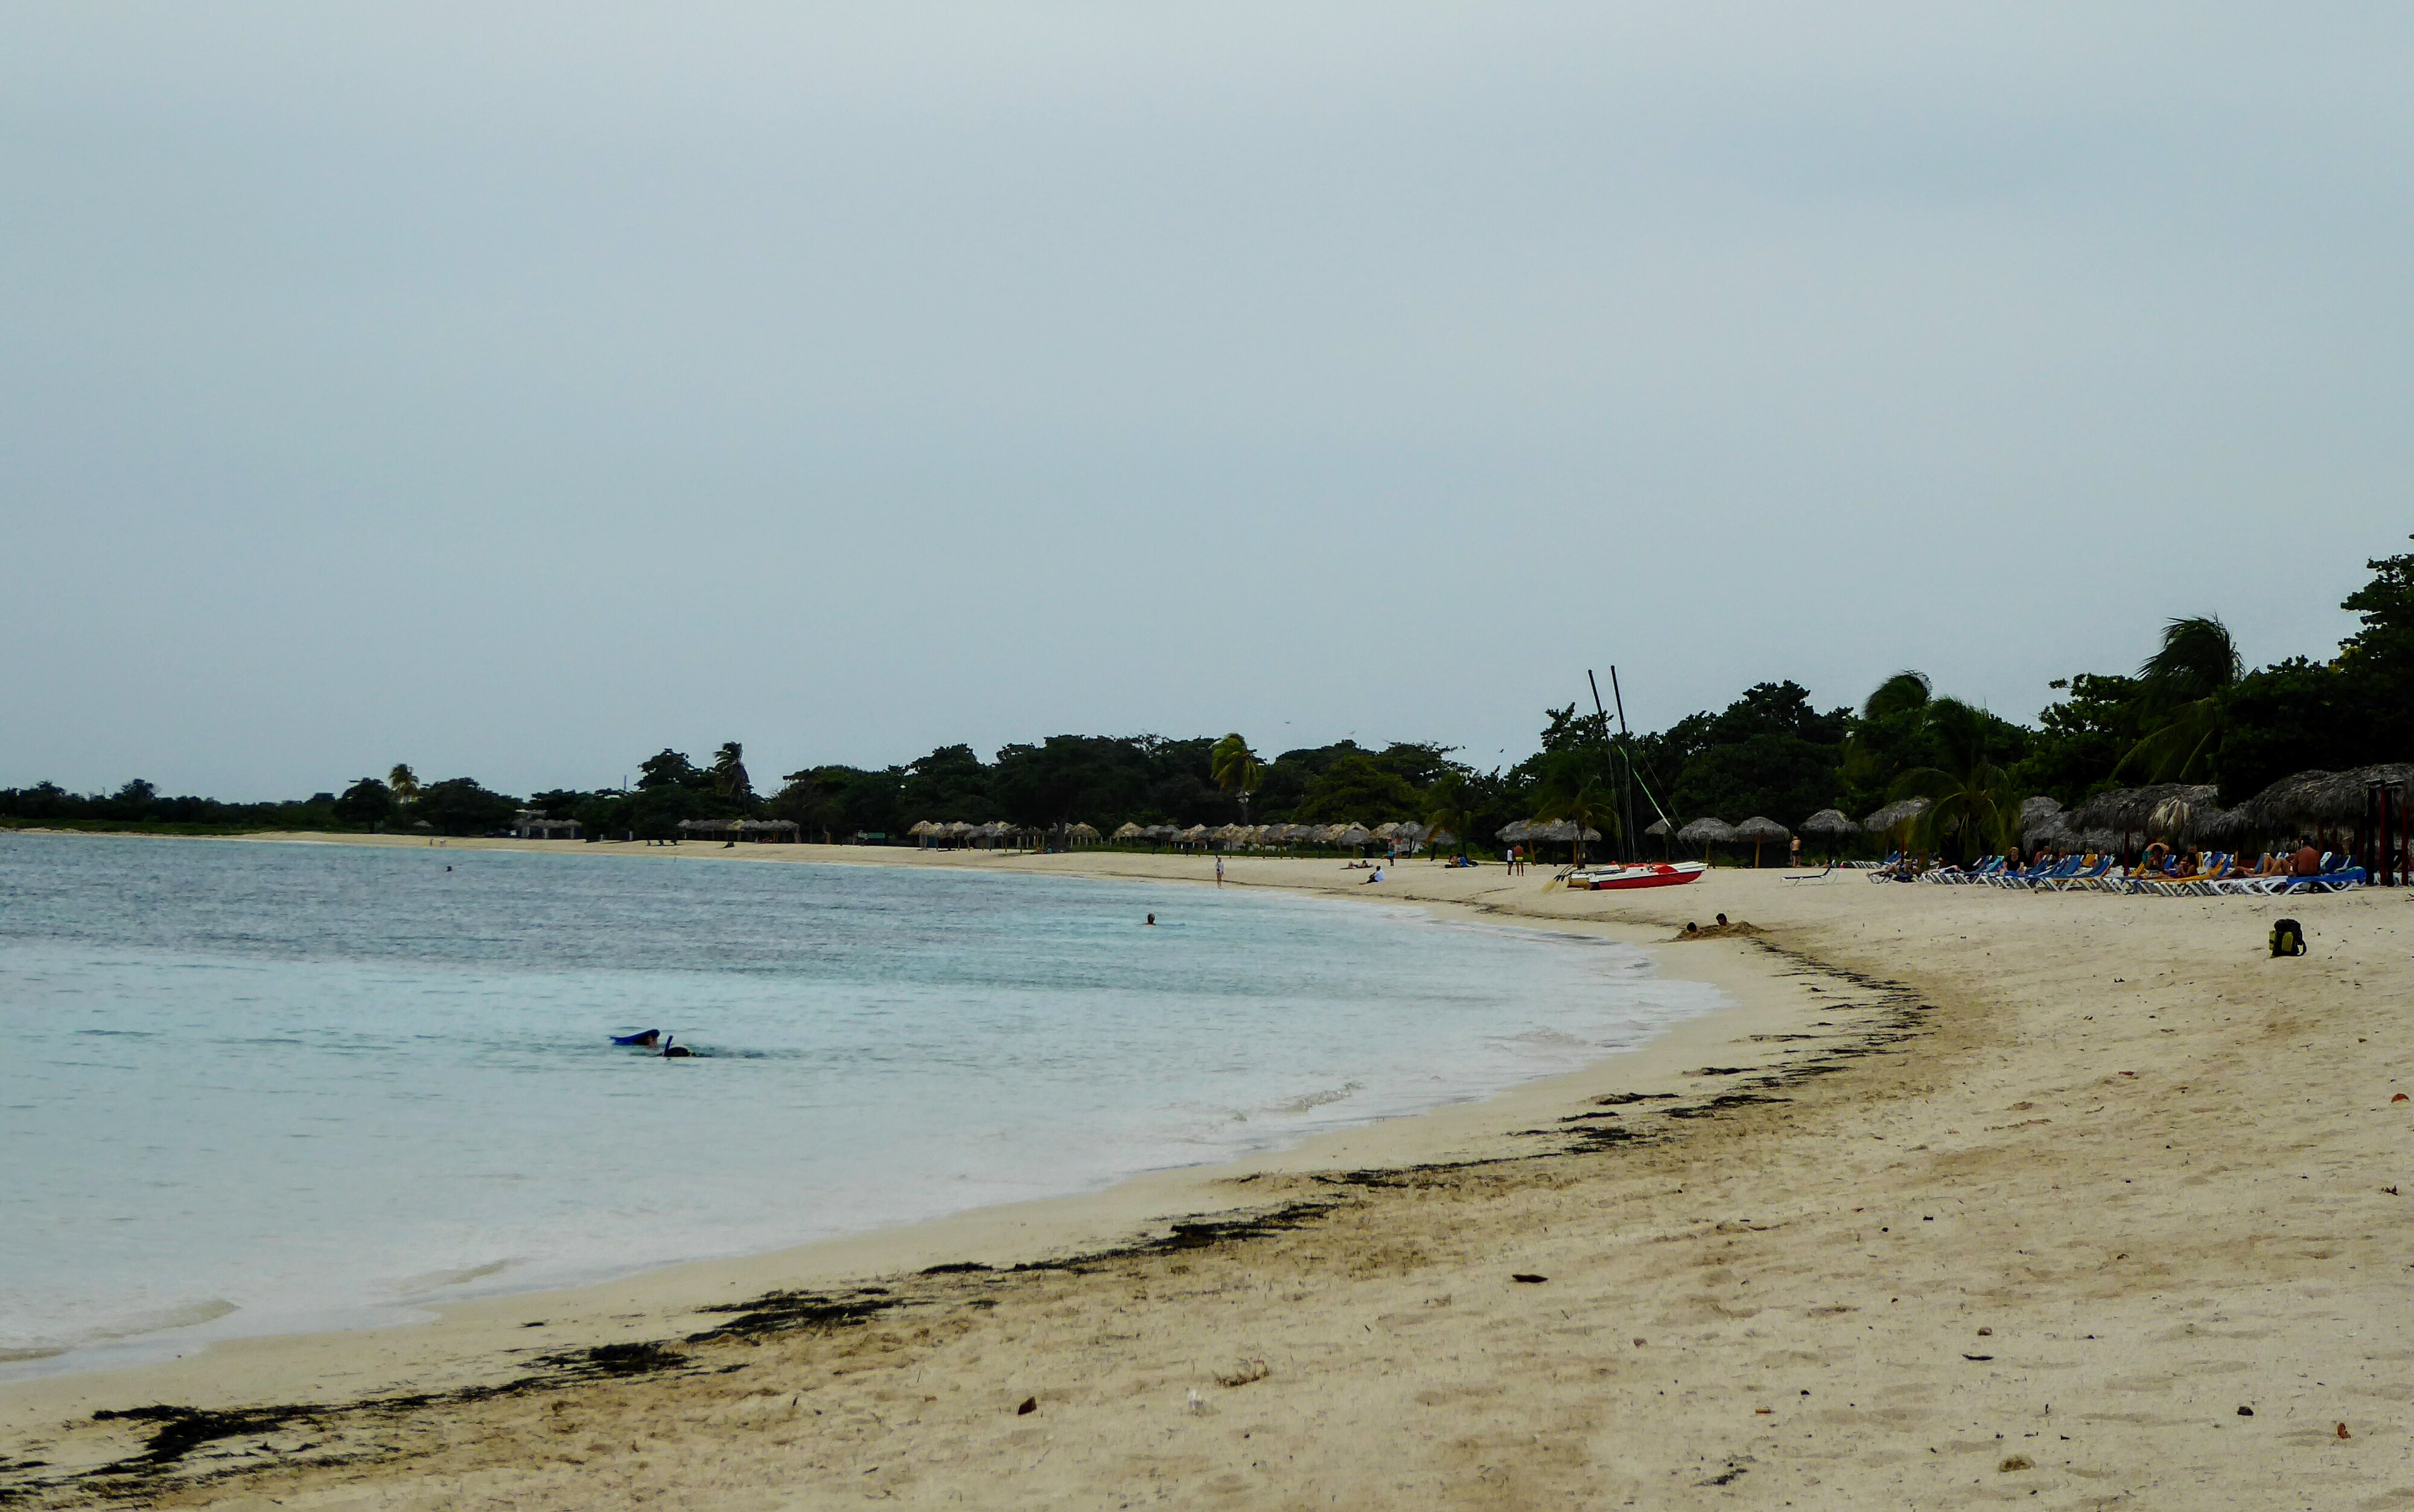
183 1429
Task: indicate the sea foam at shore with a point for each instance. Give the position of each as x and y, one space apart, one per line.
267 1088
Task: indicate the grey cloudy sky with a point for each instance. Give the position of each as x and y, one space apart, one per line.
516 389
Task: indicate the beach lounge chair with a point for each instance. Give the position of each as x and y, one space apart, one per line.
2085 877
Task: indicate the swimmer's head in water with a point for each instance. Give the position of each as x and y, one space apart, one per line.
1152 918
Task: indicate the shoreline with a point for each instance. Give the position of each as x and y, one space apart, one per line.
463 1341
2055 1157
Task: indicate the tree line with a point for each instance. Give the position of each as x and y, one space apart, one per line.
2193 712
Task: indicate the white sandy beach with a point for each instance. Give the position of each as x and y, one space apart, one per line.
1972 1196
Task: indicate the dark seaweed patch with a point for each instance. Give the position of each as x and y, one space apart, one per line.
779 1312
183 1429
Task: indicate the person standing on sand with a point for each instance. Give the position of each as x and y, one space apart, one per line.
1220 871
1794 859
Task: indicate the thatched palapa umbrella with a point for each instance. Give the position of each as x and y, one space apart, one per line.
1896 816
1832 824
1659 827
1705 832
1129 830
2135 809
2312 800
1759 830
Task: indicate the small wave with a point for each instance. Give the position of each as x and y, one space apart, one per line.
1310 1101
133 1325
438 1279
1541 1036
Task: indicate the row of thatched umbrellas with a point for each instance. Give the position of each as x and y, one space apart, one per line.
2307 803
1404 831
2178 813
996 832
939 832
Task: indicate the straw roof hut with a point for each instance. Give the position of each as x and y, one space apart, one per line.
1705 832
1759 830
2132 809
1195 835
1352 834
1439 838
1658 827
1129 830
1515 831
1895 815
2318 800
1830 822
1085 833
2220 826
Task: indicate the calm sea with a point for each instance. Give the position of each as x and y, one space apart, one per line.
256 1088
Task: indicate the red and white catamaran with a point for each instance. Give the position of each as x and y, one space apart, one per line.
1616 879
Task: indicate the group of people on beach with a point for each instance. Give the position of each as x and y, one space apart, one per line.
2301 858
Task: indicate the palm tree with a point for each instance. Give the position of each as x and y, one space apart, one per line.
2179 698
1583 804
1449 807
729 777
403 781
1899 694
1235 768
1968 793
1896 713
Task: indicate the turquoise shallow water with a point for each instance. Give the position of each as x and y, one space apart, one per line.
259 1088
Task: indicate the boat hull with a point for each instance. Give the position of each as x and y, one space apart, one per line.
1658 874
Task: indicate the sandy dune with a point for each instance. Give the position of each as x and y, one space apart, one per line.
1977 1197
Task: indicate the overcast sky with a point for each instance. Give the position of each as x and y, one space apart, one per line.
515 390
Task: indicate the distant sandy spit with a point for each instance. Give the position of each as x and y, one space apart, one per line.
2060 1200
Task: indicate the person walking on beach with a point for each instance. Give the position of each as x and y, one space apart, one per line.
1220 871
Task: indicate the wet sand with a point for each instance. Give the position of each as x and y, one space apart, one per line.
1973 1196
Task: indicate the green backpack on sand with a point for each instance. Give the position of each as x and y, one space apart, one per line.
2287 938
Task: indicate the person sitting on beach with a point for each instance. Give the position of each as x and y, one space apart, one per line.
2307 861
1377 876
2191 865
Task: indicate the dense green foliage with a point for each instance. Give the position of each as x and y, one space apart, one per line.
2192 711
